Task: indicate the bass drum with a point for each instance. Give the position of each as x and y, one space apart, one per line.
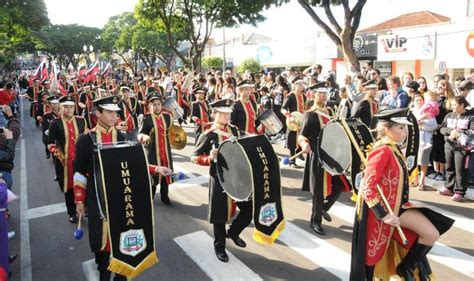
335 148
240 166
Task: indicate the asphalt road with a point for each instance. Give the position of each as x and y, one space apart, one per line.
48 251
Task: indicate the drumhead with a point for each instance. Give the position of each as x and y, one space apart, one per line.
234 170
334 148
247 163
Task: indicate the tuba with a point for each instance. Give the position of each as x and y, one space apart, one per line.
177 137
295 124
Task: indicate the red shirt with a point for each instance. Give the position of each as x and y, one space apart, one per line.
6 97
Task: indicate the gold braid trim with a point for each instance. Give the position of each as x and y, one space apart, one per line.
105 234
372 202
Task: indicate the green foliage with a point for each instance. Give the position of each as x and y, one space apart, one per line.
64 41
249 64
18 22
210 62
197 18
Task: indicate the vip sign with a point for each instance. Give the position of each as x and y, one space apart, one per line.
406 46
395 44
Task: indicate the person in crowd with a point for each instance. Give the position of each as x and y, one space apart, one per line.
423 85
412 89
466 89
8 139
457 127
345 106
445 94
457 82
379 80
425 109
333 91
385 257
395 97
407 77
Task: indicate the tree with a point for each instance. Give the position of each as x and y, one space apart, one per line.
65 42
18 22
197 18
249 64
341 35
116 36
212 62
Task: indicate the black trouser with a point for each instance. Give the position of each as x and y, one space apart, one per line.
102 260
70 205
320 203
242 220
456 170
163 186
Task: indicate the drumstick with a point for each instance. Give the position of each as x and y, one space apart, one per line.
80 221
296 155
379 189
286 160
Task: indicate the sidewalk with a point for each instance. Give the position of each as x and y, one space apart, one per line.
439 184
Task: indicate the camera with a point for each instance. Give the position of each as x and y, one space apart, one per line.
1 108
2 130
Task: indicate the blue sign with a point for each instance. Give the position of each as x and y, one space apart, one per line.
264 54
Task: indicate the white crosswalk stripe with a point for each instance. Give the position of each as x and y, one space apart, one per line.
199 247
441 253
330 257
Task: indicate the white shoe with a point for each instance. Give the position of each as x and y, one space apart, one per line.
11 235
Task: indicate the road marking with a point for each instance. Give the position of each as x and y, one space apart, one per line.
459 221
325 255
25 246
199 247
90 270
47 210
191 182
449 257
180 169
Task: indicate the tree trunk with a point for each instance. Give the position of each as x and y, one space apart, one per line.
350 57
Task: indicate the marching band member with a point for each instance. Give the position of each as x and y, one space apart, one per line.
295 101
85 102
245 111
368 107
84 180
63 134
376 249
154 132
48 117
33 93
200 113
130 108
324 188
221 207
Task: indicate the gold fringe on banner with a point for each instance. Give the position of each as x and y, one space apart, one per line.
122 268
264 239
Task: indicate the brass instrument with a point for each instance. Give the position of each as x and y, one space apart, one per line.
294 124
177 137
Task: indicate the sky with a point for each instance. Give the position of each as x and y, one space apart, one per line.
283 22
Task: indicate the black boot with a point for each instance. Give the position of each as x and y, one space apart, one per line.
105 275
410 261
424 270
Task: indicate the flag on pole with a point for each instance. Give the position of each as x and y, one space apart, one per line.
92 72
